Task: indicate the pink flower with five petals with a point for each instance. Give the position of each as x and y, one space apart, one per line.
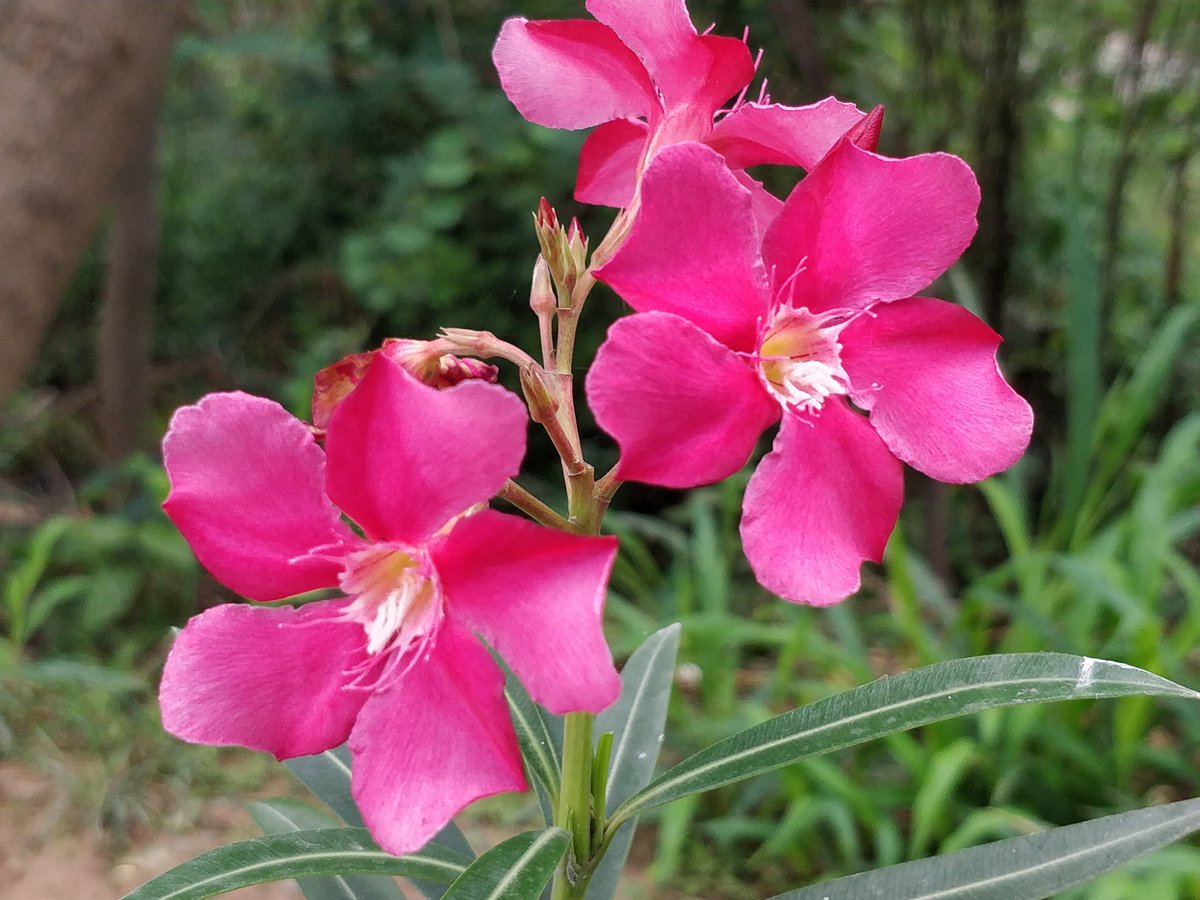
811 326
396 665
644 76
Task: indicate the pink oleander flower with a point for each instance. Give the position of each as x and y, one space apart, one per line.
643 75
395 665
810 326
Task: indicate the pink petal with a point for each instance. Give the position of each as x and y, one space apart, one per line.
266 678
434 743
248 495
404 458
685 409
571 74
537 596
608 163
866 228
758 134
822 502
927 371
766 206
693 249
685 66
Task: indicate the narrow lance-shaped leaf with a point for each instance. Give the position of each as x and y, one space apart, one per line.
1028 867
517 869
538 747
897 703
327 775
636 721
301 854
284 816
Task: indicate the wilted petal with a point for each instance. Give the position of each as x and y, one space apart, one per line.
248 495
822 502
537 596
404 458
266 678
863 227
571 74
433 743
693 249
685 409
758 134
608 163
927 371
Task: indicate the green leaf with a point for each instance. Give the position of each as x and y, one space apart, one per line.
285 816
538 746
517 869
636 721
301 854
897 703
1022 868
327 775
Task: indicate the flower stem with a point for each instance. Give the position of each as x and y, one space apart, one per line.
532 506
574 811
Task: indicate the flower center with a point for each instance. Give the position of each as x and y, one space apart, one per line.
800 358
397 596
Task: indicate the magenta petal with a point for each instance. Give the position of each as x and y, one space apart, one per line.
863 227
766 206
685 66
432 744
537 596
822 502
248 495
693 249
927 371
266 678
404 458
685 409
608 163
571 74
758 134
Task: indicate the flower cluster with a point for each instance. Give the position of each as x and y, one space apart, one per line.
750 312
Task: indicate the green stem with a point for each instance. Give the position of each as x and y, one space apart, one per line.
532 506
574 811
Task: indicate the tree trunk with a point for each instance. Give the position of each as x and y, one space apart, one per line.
999 141
1177 226
76 82
1131 92
126 310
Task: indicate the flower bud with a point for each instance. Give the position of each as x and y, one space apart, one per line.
577 248
565 250
866 133
541 294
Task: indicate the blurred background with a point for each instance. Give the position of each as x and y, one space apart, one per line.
231 194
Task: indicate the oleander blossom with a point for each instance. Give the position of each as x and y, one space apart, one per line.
646 79
810 326
397 664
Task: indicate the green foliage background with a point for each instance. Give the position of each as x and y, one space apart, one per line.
334 173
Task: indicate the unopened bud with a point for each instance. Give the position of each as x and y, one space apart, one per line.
549 232
541 401
866 133
577 247
565 250
541 293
